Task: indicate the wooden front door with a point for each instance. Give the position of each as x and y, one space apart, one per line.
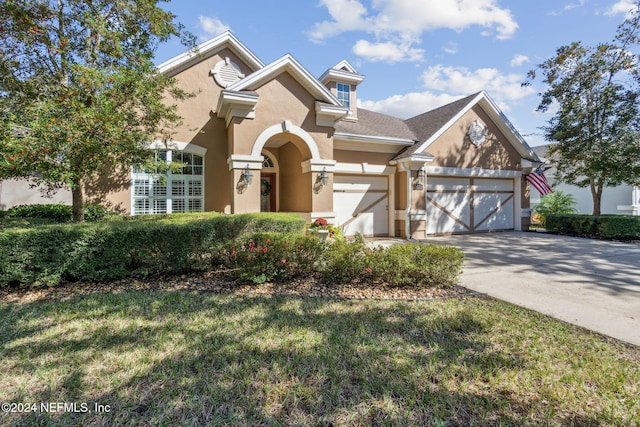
268 192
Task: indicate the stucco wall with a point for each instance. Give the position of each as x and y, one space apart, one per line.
282 98
295 187
359 157
455 149
15 192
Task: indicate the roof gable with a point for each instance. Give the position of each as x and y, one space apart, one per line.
289 64
342 71
346 66
429 126
207 49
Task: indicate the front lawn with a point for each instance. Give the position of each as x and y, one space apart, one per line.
198 358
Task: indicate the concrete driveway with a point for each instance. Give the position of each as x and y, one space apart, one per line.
591 283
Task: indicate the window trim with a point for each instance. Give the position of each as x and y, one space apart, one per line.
152 179
341 89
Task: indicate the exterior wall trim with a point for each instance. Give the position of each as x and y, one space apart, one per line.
318 165
177 145
285 127
364 168
241 161
472 172
180 62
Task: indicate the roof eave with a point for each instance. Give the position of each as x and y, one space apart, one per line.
204 50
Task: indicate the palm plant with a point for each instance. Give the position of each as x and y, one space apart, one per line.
557 202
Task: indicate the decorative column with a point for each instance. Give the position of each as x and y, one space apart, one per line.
245 182
321 187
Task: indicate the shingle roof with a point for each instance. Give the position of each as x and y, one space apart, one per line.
376 124
541 150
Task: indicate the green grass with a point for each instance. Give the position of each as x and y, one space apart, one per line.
188 358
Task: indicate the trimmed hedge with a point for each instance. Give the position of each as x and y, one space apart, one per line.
58 213
619 227
50 254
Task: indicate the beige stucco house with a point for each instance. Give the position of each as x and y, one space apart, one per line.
272 137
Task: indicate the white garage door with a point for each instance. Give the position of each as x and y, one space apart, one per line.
361 204
467 205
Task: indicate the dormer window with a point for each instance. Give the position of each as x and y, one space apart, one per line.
344 94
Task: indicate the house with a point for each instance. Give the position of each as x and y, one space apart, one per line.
272 137
623 199
15 192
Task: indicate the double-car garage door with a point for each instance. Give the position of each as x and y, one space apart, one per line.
468 205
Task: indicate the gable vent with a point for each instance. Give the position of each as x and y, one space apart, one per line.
226 73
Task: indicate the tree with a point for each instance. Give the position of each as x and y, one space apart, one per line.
555 203
79 93
596 128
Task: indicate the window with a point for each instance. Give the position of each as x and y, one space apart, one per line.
169 192
344 94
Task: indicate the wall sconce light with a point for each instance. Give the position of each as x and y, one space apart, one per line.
323 177
419 183
247 175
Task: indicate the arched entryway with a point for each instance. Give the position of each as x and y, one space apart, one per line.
290 169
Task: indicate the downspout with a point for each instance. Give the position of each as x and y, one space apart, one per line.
407 223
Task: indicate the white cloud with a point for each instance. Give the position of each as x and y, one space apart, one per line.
211 26
572 6
461 80
519 60
387 52
447 84
626 7
410 104
348 15
568 8
451 48
403 22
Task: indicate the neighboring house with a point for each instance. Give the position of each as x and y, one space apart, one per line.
622 200
272 137
15 192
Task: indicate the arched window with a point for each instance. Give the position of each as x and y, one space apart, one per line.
267 162
169 192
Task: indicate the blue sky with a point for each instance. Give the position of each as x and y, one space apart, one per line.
416 54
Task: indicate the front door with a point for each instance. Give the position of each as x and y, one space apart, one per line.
268 192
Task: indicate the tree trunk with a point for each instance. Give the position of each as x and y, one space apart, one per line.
77 197
596 194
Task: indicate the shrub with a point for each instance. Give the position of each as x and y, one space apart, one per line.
555 203
346 261
417 265
619 227
59 213
53 213
410 264
622 227
276 257
50 254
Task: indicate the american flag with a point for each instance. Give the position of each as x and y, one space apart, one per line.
537 179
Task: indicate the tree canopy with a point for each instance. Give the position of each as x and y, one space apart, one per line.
596 124
79 94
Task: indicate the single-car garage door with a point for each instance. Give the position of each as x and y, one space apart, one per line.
361 204
467 205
